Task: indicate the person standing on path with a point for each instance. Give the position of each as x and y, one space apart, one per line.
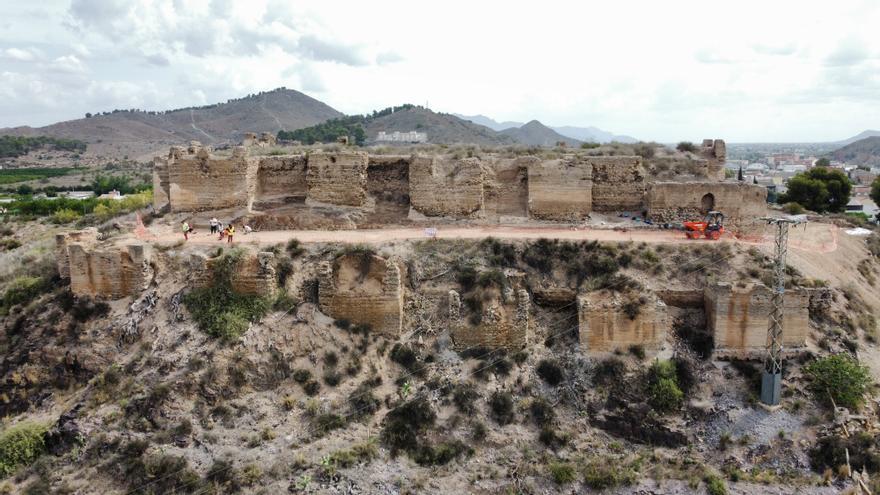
215 225
230 233
186 230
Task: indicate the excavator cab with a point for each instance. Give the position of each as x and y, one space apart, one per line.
711 227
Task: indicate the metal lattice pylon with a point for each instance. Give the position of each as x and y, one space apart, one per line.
771 381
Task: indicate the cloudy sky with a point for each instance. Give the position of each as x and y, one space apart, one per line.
745 71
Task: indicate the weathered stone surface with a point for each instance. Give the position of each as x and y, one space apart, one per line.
503 326
338 178
87 236
198 180
619 183
441 187
604 326
561 189
363 289
281 179
111 272
684 201
739 317
254 273
715 153
506 188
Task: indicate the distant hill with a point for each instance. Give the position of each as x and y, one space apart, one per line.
442 128
535 133
859 136
587 134
862 152
138 133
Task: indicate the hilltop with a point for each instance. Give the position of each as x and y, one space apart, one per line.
138 132
862 152
535 133
588 134
442 128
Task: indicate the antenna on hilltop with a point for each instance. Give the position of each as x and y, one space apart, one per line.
771 379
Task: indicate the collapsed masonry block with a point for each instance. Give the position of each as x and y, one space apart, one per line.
253 274
502 326
440 187
338 178
86 237
619 183
740 317
684 201
112 272
604 324
364 289
561 189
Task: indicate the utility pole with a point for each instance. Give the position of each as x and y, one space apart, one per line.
771 380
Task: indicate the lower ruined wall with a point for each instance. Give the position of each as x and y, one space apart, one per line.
161 184
682 201
363 289
619 183
501 327
254 274
441 187
739 317
603 326
112 272
86 237
200 181
561 189
338 178
281 179
506 187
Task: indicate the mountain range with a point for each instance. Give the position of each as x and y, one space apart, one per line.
585 134
138 134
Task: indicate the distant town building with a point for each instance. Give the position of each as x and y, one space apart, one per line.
114 194
403 137
77 194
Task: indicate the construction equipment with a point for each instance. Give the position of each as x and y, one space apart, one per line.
711 227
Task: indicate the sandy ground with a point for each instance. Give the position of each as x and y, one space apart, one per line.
814 238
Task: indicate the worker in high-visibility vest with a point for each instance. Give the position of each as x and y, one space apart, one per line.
230 233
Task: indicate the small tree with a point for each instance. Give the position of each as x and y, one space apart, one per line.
839 378
823 162
819 189
686 146
875 192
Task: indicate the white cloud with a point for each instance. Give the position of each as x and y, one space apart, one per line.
19 54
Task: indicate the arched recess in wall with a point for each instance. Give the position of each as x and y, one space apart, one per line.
707 203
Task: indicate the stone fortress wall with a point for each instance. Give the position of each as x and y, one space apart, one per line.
489 189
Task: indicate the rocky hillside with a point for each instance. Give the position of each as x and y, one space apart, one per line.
535 133
862 152
137 133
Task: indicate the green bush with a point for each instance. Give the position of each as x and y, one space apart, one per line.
600 474
20 445
686 146
220 311
501 407
715 485
550 371
664 393
406 424
562 472
841 378
22 290
793 208
65 215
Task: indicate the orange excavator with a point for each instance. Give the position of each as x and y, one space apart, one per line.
711 227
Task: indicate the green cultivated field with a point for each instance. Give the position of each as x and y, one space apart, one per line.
24 174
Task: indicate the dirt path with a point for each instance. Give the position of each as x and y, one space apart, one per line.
816 238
